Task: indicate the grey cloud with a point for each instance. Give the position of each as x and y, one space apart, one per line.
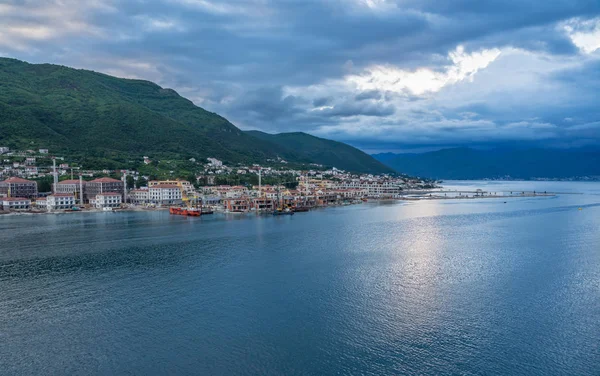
237 57
322 101
372 94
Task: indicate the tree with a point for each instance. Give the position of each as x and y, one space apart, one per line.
192 179
45 185
141 182
130 182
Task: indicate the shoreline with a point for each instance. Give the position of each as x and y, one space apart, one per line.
420 196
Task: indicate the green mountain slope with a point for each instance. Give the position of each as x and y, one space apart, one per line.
326 152
98 117
108 122
466 163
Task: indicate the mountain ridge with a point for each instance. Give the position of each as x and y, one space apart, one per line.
469 164
104 121
329 152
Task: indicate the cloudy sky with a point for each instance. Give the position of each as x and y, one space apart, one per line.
383 75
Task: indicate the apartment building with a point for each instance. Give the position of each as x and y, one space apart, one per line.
15 203
60 201
164 194
18 187
107 200
102 185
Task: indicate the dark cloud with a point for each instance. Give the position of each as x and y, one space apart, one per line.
319 102
284 65
351 108
371 94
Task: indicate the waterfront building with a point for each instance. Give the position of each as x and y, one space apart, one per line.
270 194
164 194
262 204
40 203
236 204
232 192
139 196
70 186
374 188
351 193
17 187
211 200
60 201
186 185
15 203
102 185
107 200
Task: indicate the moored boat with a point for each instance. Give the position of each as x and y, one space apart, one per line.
285 211
191 212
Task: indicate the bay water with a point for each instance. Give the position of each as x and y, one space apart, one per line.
471 287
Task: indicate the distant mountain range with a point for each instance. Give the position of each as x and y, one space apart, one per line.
331 153
466 163
107 122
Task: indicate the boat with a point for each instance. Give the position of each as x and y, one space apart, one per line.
190 212
300 209
285 211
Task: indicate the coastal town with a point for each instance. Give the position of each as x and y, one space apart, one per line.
73 188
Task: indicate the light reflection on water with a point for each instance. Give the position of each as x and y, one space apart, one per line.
430 287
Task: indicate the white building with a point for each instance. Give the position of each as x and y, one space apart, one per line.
374 188
31 170
15 203
214 162
60 201
40 203
107 200
4 149
352 193
43 151
164 194
139 196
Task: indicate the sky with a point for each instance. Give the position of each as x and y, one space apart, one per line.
382 75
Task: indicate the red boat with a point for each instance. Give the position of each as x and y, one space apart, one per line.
191 212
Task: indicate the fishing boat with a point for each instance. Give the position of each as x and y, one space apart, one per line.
190 212
192 207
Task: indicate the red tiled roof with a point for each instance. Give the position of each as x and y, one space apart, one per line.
15 199
164 186
105 180
17 180
62 195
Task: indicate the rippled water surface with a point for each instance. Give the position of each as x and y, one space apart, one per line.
430 287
